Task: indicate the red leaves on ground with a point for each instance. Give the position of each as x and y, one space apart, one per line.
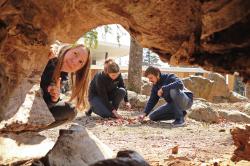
119 122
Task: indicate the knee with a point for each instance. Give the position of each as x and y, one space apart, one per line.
173 93
72 113
152 117
106 115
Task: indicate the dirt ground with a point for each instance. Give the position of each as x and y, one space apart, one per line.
197 141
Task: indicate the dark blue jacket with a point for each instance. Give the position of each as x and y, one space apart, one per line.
166 82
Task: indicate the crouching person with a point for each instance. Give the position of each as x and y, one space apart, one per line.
65 59
171 88
106 91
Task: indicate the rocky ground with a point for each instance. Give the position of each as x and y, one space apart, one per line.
199 142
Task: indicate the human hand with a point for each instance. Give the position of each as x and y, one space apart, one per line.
54 90
128 105
141 117
116 114
160 92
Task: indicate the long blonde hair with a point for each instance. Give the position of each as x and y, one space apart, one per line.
79 79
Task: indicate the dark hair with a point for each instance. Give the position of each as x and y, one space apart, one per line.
152 70
110 66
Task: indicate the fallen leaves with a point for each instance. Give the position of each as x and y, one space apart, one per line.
175 150
120 122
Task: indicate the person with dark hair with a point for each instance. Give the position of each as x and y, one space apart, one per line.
106 91
63 59
171 88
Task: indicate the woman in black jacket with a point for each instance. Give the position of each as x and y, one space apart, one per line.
64 59
106 91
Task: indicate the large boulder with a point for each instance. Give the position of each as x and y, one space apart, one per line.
126 157
74 146
77 146
139 101
202 111
213 88
247 108
146 86
234 116
220 88
200 86
28 111
205 111
16 148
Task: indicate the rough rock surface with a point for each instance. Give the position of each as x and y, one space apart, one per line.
139 101
21 147
146 87
213 88
77 146
209 112
212 34
248 90
241 138
247 108
29 111
126 157
201 111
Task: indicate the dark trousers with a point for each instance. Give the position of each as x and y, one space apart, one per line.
99 108
173 110
62 112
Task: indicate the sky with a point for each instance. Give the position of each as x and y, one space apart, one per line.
112 36
124 40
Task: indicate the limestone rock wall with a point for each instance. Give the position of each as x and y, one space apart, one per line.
212 34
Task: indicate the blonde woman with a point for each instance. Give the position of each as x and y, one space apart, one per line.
64 59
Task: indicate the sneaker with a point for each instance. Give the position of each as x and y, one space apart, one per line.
88 113
178 122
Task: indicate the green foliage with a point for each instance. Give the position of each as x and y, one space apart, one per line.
239 86
91 39
107 29
119 34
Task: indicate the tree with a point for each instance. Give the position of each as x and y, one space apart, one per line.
135 66
149 58
247 90
91 38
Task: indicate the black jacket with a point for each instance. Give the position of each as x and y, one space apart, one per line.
166 82
103 86
46 79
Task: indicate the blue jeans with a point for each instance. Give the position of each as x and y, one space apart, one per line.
173 110
99 108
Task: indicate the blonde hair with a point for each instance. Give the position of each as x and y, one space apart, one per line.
79 79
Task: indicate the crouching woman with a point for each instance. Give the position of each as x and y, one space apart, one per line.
65 59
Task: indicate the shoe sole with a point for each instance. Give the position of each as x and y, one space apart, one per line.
179 125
